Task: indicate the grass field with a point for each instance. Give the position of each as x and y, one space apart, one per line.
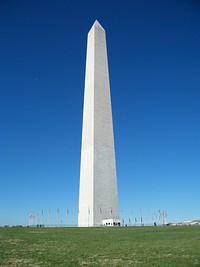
123 246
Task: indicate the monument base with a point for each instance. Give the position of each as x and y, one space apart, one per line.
111 222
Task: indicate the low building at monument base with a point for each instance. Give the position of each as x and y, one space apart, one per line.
111 222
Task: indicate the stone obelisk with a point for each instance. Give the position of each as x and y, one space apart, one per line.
98 194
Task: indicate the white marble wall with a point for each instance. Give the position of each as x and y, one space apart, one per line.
98 195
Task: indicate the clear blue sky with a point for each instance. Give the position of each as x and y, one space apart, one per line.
154 62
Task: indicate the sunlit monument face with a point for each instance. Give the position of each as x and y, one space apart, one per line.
98 195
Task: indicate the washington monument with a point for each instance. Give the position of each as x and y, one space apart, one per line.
98 194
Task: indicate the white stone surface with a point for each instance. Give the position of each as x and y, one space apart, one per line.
98 194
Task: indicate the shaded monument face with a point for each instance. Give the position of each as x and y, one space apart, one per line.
98 195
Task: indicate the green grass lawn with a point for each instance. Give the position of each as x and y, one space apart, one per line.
123 246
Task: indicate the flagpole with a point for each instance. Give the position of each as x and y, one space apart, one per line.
67 213
149 219
131 217
37 218
155 218
33 218
49 217
122 220
42 218
141 216
57 212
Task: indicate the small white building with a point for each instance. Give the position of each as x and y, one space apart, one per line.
111 222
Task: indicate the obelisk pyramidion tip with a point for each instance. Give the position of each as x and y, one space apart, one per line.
97 24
